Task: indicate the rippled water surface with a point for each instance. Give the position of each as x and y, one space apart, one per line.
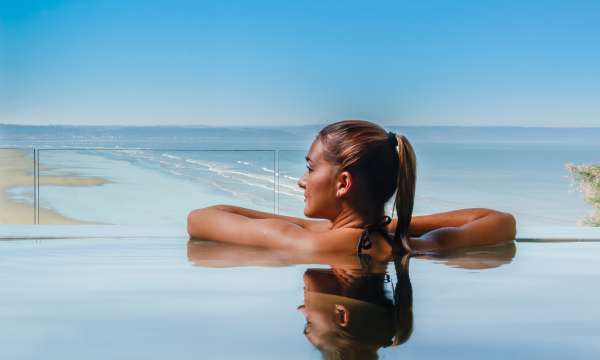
170 298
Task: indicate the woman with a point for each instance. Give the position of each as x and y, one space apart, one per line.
352 313
354 168
354 306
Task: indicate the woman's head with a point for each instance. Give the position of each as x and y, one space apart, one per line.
351 315
361 164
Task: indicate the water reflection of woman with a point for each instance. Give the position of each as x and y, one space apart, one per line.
352 314
353 308
353 168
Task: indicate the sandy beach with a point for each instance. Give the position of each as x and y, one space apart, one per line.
16 169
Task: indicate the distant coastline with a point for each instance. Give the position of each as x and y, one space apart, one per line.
16 170
285 136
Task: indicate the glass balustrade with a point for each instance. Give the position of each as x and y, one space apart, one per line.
156 186
17 197
290 196
143 186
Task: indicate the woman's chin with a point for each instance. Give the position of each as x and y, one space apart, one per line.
307 212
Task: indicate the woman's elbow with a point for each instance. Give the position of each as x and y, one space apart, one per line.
193 220
505 223
509 223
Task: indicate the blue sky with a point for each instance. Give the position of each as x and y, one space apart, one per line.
482 63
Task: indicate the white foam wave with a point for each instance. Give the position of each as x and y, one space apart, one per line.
269 179
196 162
231 177
291 189
171 156
132 152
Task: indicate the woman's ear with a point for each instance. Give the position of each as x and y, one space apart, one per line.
344 184
342 315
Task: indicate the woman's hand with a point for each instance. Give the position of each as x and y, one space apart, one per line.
461 228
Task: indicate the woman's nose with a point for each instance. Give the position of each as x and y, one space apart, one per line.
302 182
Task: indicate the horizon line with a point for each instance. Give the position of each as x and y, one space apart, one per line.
202 126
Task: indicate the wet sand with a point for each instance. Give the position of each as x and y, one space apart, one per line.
16 170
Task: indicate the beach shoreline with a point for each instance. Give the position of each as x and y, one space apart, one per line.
16 170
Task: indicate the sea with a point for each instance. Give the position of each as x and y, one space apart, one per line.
156 175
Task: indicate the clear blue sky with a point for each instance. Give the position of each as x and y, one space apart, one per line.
480 62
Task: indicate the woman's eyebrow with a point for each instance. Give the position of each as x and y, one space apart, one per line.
307 159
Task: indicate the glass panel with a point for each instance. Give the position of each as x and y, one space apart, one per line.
158 187
291 168
541 184
17 186
531 181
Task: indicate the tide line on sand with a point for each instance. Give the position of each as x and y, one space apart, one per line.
16 170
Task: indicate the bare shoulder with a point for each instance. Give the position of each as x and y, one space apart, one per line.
216 224
315 240
283 234
321 240
336 240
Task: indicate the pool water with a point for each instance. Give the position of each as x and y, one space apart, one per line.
166 297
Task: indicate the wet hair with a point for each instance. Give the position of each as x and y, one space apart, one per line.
378 168
363 340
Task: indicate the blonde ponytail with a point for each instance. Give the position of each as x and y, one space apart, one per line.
405 193
381 163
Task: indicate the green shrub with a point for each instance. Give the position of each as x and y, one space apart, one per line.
588 179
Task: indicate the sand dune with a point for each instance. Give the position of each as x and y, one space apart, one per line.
16 169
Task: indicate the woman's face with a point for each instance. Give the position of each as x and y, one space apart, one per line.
322 312
319 184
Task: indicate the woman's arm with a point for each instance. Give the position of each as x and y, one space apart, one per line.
461 228
216 224
218 254
420 225
313 225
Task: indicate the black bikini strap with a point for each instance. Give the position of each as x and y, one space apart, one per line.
365 241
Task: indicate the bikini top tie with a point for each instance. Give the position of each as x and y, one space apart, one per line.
365 241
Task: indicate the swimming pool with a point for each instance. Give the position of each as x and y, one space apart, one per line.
157 295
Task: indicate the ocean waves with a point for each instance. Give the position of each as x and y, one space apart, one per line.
249 175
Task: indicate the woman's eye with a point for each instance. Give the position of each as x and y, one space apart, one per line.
309 168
